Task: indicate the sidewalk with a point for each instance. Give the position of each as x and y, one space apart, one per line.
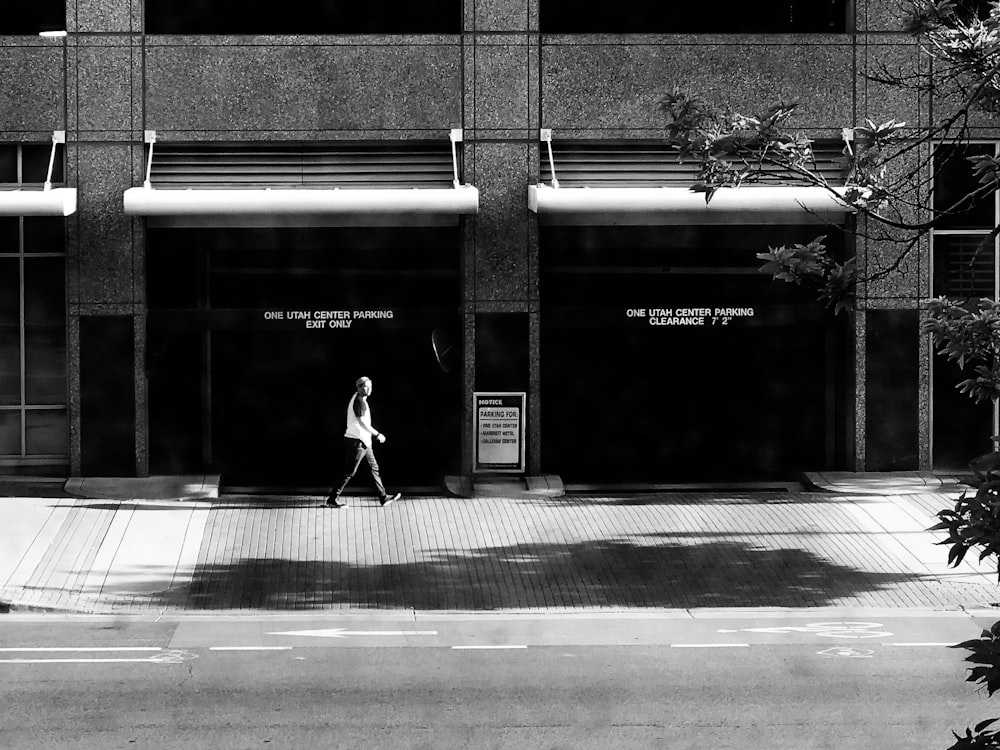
855 543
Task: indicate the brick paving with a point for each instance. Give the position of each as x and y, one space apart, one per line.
670 550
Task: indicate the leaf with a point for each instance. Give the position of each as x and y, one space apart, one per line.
983 724
956 555
708 190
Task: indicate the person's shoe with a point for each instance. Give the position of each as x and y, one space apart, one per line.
390 499
334 503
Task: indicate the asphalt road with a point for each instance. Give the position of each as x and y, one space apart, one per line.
805 679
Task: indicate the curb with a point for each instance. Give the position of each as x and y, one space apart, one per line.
650 613
880 482
145 488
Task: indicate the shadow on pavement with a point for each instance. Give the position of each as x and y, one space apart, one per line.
44 488
592 574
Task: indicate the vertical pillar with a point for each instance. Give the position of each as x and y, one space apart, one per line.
501 133
105 272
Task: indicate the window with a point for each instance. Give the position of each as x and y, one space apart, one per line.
964 268
33 416
303 17
720 17
30 17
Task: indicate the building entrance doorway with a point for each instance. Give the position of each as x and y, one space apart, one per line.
255 341
666 356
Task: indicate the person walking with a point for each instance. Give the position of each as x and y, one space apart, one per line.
358 439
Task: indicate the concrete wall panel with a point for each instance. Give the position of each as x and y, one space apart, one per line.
100 16
895 56
501 89
501 234
104 251
588 86
32 90
506 15
273 88
879 15
104 88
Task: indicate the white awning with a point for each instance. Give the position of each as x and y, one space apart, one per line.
234 207
53 202
679 205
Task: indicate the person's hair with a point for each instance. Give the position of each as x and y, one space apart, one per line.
362 379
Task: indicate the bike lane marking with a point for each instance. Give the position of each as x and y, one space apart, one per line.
171 656
838 629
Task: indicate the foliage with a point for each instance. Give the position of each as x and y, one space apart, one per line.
963 46
986 653
971 339
980 738
810 265
885 169
732 149
974 522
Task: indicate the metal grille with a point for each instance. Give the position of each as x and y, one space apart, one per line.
368 165
619 165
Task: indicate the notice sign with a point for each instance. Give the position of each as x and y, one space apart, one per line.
689 316
500 431
320 320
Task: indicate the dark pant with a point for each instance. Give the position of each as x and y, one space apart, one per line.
354 452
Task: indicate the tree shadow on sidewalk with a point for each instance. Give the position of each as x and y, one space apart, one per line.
608 573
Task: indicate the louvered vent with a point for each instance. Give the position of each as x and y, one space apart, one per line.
962 267
269 165
623 165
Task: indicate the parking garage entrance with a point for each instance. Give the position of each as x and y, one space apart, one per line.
666 356
256 337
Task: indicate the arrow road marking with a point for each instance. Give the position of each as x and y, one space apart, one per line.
343 633
825 629
165 657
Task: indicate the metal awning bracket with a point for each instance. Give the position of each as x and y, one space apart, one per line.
546 137
456 138
58 136
149 136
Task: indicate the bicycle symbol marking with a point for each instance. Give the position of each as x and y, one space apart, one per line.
853 653
175 656
850 629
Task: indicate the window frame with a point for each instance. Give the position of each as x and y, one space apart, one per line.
951 232
25 458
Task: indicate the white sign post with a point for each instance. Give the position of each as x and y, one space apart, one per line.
500 430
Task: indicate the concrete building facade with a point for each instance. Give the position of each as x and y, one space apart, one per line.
175 361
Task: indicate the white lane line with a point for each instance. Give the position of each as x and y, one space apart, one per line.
80 661
47 649
709 645
250 648
471 648
343 632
